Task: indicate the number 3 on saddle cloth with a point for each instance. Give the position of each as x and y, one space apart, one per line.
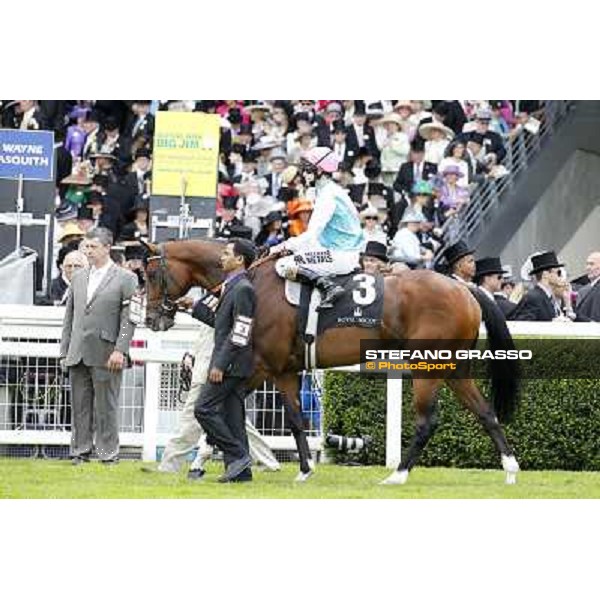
360 306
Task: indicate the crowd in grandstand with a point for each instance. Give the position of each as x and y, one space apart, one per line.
410 166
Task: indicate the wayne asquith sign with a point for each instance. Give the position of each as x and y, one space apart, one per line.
29 154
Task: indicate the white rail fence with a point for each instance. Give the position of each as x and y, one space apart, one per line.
35 394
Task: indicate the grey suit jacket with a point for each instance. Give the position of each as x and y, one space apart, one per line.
92 331
588 303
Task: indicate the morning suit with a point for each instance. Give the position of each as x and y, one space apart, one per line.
535 305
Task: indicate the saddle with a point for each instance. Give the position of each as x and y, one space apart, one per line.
360 306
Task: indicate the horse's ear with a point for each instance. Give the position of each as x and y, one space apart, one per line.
152 248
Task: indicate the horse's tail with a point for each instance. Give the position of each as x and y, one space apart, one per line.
504 373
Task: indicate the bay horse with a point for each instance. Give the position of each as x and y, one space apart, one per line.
418 305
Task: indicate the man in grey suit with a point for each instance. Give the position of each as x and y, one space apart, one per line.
96 335
588 298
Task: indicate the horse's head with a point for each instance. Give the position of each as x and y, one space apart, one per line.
171 270
165 283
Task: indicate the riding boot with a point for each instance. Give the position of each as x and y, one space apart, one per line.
330 291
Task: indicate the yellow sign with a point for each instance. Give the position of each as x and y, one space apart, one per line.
186 154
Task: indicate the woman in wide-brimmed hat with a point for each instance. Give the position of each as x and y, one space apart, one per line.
451 195
404 110
371 224
395 148
259 115
437 137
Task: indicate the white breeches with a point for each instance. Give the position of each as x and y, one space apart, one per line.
319 260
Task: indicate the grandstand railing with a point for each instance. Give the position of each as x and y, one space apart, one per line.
520 151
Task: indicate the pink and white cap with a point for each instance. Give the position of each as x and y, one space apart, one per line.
322 157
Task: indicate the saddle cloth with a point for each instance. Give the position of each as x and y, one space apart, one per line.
360 306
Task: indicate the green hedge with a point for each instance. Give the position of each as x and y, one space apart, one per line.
557 425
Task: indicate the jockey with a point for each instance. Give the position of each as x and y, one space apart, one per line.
332 243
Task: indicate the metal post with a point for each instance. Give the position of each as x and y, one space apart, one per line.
19 208
184 211
47 252
393 422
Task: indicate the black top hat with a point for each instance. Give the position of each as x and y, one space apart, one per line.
238 149
488 266
544 262
205 105
360 107
581 280
376 250
377 189
456 251
230 202
93 116
142 153
234 116
95 197
250 156
241 232
339 126
273 216
85 212
135 252
417 145
245 129
372 169
478 138
111 123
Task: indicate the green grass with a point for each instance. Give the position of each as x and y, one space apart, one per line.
33 478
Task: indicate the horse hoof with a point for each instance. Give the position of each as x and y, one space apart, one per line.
302 477
396 478
511 468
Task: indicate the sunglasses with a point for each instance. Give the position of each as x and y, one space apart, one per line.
370 218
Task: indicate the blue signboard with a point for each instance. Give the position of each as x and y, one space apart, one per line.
27 153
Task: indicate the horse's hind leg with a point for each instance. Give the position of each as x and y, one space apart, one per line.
288 385
473 400
424 392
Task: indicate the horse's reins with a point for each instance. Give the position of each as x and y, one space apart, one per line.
170 306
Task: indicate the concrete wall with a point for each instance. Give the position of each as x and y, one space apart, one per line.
553 204
585 241
566 217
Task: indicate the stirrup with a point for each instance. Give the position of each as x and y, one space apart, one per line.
330 296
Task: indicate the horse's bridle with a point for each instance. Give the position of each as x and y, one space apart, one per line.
167 306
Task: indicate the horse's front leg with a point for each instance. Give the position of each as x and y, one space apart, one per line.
287 384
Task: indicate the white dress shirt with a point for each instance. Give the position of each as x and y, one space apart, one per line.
96 277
